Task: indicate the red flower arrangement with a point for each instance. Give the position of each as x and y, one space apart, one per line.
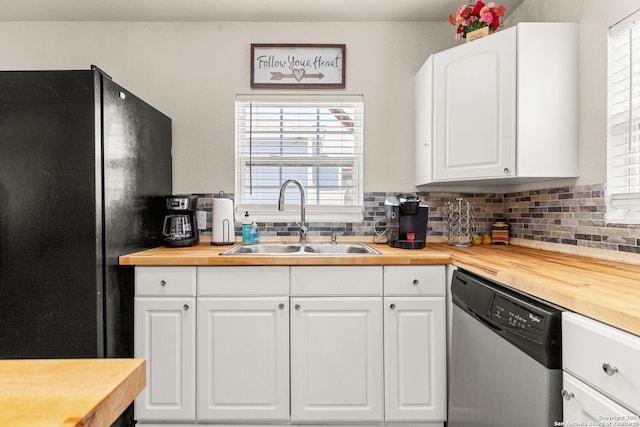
470 17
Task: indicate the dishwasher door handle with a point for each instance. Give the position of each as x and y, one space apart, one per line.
484 321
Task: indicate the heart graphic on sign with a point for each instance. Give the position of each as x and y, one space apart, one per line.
298 73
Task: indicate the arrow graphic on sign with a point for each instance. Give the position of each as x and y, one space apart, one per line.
297 73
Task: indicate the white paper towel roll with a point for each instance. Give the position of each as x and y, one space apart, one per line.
223 226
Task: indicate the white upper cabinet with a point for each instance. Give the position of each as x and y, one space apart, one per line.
504 107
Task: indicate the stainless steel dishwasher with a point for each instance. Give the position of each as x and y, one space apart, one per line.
506 361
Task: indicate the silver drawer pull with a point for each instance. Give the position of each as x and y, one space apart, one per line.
415 282
281 306
608 369
297 306
186 306
392 306
567 395
163 283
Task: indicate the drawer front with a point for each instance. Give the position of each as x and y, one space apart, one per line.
582 404
171 281
426 280
336 281
243 281
604 357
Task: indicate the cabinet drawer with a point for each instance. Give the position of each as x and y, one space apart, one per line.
603 356
173 281
582 404
336 281
243 281
415 280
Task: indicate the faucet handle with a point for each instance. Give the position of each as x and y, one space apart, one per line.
303 228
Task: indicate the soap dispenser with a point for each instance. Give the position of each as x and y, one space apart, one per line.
246 228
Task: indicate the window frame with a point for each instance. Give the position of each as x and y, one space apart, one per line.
623 207
269 212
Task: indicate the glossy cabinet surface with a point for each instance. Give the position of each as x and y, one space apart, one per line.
491 111
584 404
475 109
243 358
336 359
165 335
601 379
415 358
299 344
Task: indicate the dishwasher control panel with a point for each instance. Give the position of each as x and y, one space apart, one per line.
508 314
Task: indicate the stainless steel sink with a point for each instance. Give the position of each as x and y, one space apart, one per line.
305 249
340 249
275 249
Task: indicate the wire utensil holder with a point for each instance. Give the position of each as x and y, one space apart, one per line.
460 222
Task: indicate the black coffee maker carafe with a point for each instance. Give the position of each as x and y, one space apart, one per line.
407 220
180 227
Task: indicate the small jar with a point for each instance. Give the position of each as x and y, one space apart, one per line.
500 233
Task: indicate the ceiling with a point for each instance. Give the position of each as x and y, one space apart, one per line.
233 10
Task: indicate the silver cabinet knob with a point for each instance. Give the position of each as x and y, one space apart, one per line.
392 306
163 283
567 395
281 306
415 282
608 369
506 171
297 306
186 306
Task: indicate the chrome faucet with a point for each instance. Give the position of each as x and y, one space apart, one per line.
301 224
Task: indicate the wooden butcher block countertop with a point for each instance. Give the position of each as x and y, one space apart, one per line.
605 290
67 392
206 254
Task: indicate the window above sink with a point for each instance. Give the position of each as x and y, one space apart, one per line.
314 139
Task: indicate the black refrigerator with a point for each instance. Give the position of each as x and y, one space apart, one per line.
84 166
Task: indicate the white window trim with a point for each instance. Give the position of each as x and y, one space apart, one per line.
291 213
622 208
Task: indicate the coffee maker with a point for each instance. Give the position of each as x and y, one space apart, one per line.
406 219
180 227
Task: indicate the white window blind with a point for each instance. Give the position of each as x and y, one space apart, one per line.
623 172
316 140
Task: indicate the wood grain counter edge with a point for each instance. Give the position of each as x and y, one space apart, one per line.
603 289
68 392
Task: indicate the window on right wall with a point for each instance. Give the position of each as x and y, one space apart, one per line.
623 111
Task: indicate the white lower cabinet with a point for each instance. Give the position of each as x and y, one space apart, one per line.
282 345
415 343
336 359
243 358
164 331
601 378
583 405
414 356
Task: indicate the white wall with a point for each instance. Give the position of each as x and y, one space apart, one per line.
192 71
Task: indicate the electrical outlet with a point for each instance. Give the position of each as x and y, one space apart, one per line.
202 220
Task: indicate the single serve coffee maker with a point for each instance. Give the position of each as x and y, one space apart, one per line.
406 219
180 227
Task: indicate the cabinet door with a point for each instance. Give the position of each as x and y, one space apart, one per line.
415 358
423 103
583 404
243 358
336 359
165 337
475 109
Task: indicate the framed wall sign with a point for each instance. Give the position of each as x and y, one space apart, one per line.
298 66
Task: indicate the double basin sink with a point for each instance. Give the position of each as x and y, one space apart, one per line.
289 249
